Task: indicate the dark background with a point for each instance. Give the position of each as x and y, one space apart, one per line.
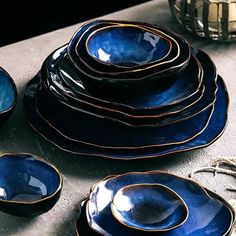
20 20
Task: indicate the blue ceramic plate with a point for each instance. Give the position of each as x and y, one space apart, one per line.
214 129
53 80
57 73
206 214
149 207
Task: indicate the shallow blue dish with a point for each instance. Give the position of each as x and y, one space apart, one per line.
127 46
149 207
8 96
206 213
213 131
29 186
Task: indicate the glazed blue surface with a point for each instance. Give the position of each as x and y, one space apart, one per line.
210 134
127 46
26 179
207 216
149 207
7 91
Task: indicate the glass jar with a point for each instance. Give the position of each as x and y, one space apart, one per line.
215 19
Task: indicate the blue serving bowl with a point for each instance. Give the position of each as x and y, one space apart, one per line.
106 76
149 207
29 186
8 96
206 212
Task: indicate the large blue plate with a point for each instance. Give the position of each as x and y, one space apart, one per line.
207 215
214 129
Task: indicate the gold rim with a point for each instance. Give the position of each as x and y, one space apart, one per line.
121 219
16 155
204 190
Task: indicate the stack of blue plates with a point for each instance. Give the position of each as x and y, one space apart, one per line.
127 90
153 203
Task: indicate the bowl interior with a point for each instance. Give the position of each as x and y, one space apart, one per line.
26 179
127 46
7 91
149 207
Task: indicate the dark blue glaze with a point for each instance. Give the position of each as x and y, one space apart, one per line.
207 216
149 207
8 96
210 134
127 46
28 186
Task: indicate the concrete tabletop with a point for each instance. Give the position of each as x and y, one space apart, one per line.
23 59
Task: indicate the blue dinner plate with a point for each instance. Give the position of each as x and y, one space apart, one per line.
214 129
207 215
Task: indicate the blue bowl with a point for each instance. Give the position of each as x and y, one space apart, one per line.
29 186
149 207
127 46
8 96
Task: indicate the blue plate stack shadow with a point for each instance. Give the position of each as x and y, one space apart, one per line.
127 90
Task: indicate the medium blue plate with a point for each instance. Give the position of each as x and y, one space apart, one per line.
57 73
214 129
206 214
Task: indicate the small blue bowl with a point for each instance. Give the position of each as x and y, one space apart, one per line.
127 46
29 186
8 96
149 207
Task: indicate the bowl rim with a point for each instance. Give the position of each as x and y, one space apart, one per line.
158 33
39 159
118 216
10 79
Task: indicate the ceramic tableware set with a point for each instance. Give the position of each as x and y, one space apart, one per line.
121 90
127 90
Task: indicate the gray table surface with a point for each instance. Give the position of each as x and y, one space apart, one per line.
23 59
